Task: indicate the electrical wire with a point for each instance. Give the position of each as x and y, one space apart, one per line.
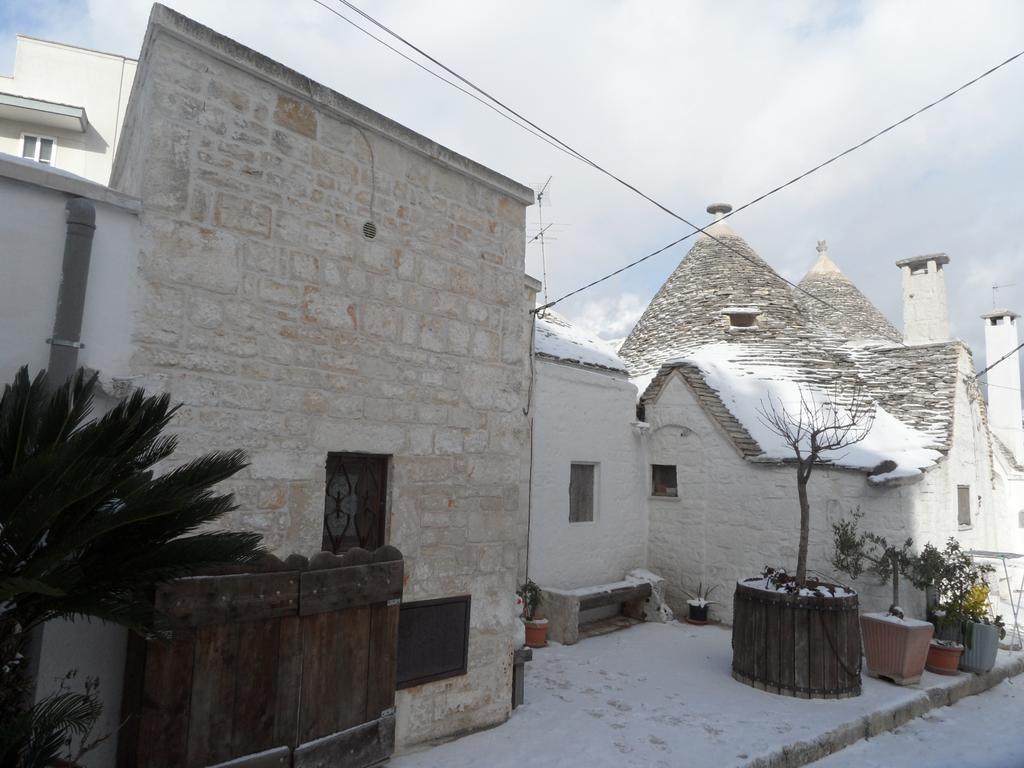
1009 354
546 137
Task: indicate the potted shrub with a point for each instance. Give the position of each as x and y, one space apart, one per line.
699 603
896 647
794 635
954 578
536 629
981 634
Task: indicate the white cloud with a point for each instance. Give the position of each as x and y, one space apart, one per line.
695 102
611 317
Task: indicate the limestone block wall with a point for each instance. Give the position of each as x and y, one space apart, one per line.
584 415
733 517
286 332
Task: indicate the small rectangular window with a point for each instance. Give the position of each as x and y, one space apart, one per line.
663 480
963 506
38 148
355 502
581 493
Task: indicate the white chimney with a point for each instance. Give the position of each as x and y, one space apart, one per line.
925 313
1004 408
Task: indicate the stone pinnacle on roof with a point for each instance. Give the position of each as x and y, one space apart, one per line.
831 301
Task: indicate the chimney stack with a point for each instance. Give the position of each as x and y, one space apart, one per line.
1004 408
925 313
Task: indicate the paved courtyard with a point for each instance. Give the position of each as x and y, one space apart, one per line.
659 695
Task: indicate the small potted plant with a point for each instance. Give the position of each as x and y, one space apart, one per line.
896 647
536 629
981 634
699 603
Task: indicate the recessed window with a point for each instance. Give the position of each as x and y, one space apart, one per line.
39 148
663 480
355 502
963 506
921 269
581 492
742 317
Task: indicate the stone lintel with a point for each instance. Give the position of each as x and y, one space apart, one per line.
916 261
1000 313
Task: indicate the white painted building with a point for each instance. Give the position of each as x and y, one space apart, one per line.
588 524
64 106
726 336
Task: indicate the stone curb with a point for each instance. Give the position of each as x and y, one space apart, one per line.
804 752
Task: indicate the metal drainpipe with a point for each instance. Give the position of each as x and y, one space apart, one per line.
67 324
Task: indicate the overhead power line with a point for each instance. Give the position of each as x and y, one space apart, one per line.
531 127
1008 355
550 139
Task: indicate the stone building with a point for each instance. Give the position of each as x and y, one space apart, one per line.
724 340
337 295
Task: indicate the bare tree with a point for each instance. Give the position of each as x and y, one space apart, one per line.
823 423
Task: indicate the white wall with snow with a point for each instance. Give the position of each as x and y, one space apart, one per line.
733 517
585 415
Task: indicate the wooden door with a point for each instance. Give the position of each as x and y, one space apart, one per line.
286 668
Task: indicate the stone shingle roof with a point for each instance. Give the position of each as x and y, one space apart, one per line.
689 308
831 301
845 347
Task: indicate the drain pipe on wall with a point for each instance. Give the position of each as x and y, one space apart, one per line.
74 277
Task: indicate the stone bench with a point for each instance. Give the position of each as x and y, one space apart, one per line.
641 593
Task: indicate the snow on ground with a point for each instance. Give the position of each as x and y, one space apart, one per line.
980 731
750 389
556 337
655 695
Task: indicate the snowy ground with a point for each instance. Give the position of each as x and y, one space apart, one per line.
653 695
977 732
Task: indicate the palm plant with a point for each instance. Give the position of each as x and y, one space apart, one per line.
87 528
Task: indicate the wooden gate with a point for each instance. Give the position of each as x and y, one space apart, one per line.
293 665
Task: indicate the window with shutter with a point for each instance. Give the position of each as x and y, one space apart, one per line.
581 493
963 505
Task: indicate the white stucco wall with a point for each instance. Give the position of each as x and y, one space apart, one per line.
34 222
733 517
585 415
99 82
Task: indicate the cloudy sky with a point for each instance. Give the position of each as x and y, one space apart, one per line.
693 102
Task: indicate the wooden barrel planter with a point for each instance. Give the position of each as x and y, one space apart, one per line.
808 647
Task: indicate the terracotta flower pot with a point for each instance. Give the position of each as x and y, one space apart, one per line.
536 633
896 649
943 659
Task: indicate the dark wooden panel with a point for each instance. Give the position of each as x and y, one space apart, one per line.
320 698
213 695
617 595
256 687
357 747
163 725
351 587
223 599
382 678
433 640
354 667
289 681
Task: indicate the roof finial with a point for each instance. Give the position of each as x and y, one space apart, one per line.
719 210
823 247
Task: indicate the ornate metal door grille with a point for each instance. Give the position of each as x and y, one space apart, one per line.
355 504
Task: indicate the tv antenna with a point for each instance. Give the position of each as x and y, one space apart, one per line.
540 236
994 287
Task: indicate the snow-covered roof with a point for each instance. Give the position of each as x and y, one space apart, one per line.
558 339
837 341
749 388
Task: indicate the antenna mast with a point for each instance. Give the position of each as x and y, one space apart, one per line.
540 235
994 289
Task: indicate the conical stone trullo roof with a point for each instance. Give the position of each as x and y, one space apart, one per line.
837 306
690 308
